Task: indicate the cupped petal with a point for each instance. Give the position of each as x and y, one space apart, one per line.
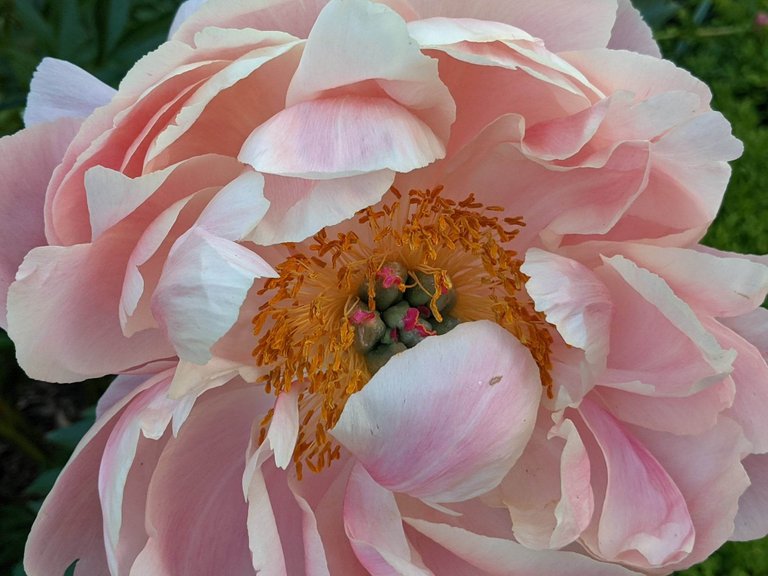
341 136
751 521
630 32
644 520
60 89
375 528
753 327
469 396
27 160
204 532
499 557
300 208
355 42
573 299
203 285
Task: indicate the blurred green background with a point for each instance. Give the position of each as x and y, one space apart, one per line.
721 41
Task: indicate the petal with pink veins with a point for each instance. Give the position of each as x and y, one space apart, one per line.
375 528
60 89
469 396
27 160
644 520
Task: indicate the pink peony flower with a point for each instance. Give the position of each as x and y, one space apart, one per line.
392 288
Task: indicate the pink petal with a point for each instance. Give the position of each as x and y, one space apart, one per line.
187 8
498 557
203 532
753 327
375 528
69 524
204 283
691 414
752 518
374 46
630 32
446 420
224 109
668 352
327 549
707 470
27 160
644 519
548 490
62 90
146 416
341 136
573 299
299 208
559 23
65 325
750 375
719 285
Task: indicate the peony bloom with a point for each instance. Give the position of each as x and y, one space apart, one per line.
408 287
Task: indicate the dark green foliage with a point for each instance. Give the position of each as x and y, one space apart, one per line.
716 39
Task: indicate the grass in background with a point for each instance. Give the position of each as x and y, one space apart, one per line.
40 423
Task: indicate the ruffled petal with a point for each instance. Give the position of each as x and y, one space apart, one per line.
470 395
707 469
69 524
65 325
60 89
27 160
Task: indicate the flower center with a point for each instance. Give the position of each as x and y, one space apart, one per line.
409 270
